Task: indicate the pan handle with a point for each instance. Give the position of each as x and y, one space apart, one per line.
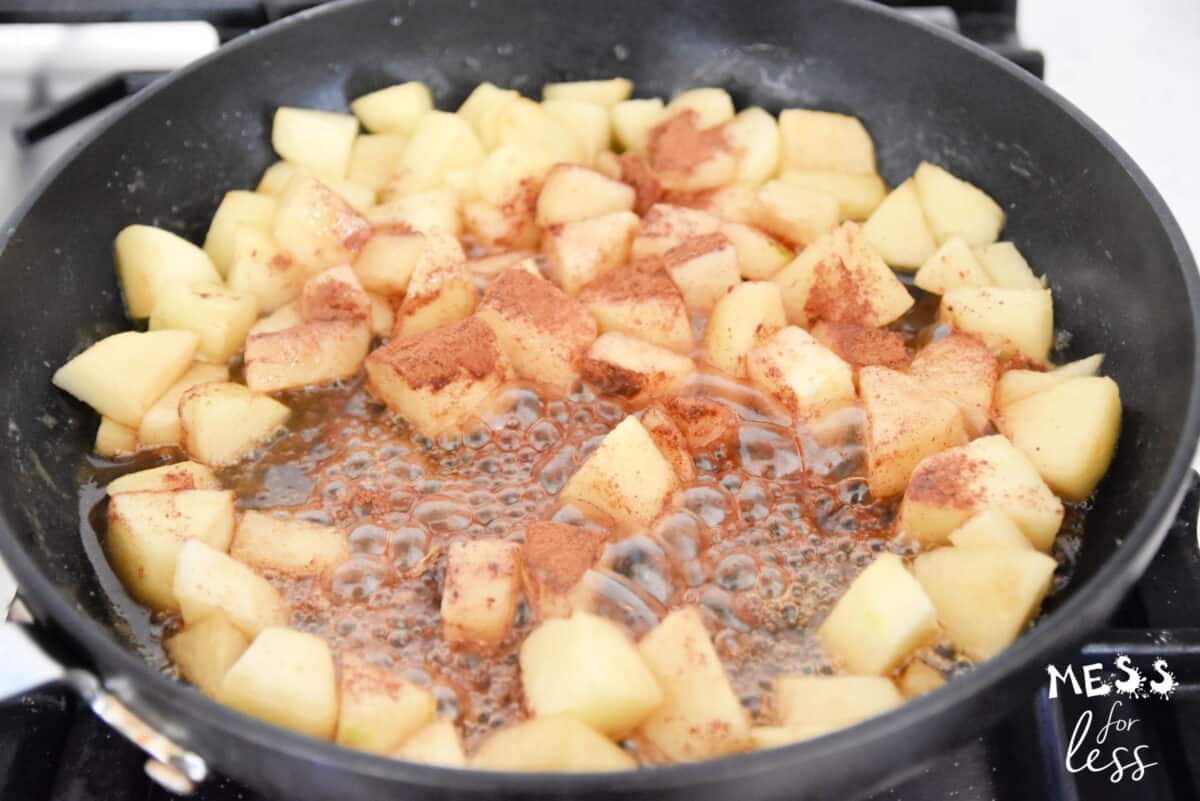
28 666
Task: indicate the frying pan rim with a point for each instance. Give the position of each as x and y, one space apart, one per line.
1082 612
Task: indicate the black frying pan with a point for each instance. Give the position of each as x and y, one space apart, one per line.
1123 279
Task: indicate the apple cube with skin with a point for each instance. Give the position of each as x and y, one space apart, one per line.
704 269
759 255
754 136
219 317
387 260
440 142
316 227
1017 384
440 378
960 368
237 208
441 289
147 530
208 581
204 651
989 529
1006 266
905 424
375 159
1011 321
543 331
160 425
588 123
823 140
794 213
642 301
700 716
800 372
222 422
670 441
318 140
586 667
623 365
626 477
1069 432
481 590
840 278
393 109
423 212
607 92
741 321
953 265
954 207
821 704
580 252
667 226
918 679
168 478
376 710
897 229
985 597
950 487
260 269
555 744
882 618
554 561
435 744
114 439
632 121
857 195
571 193
122 375
149 258
285 678
298 547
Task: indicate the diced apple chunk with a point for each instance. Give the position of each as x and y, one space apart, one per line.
800 372
606 92
481 590
626 477
316 227
960 368
588 122
740 321
984 596
222 422
759 255
586 667
147 530
667 226
632 121
754 136
375 159
423 212
500 228
387 260
823 140
1069 432
642 301
882 618
523 121
204 651
703 269
687 157
149 258
571 193
897 229
821 704
440 142
918 679
840 278
376 710
712 106
279 320
122 375
670 441
260 269
862 346
556 744
905 424
218 316
954 207
623 365
953 265
208 581
989 529
160 425
318 140
438 379
988 473
580 252
114 439
857 195
1006 267
554 560
704 422
543 331
285 678
299 547
1017 384
237 208
435 744
794 213
393 109
700 717
1011 321
334 294
441 289
168 478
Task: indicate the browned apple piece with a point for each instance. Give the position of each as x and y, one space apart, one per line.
961 368
670 441
704 422
861 345
704 269
580 252
441 290
554 560
623 365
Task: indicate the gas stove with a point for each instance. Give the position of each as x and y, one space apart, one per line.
1069 741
